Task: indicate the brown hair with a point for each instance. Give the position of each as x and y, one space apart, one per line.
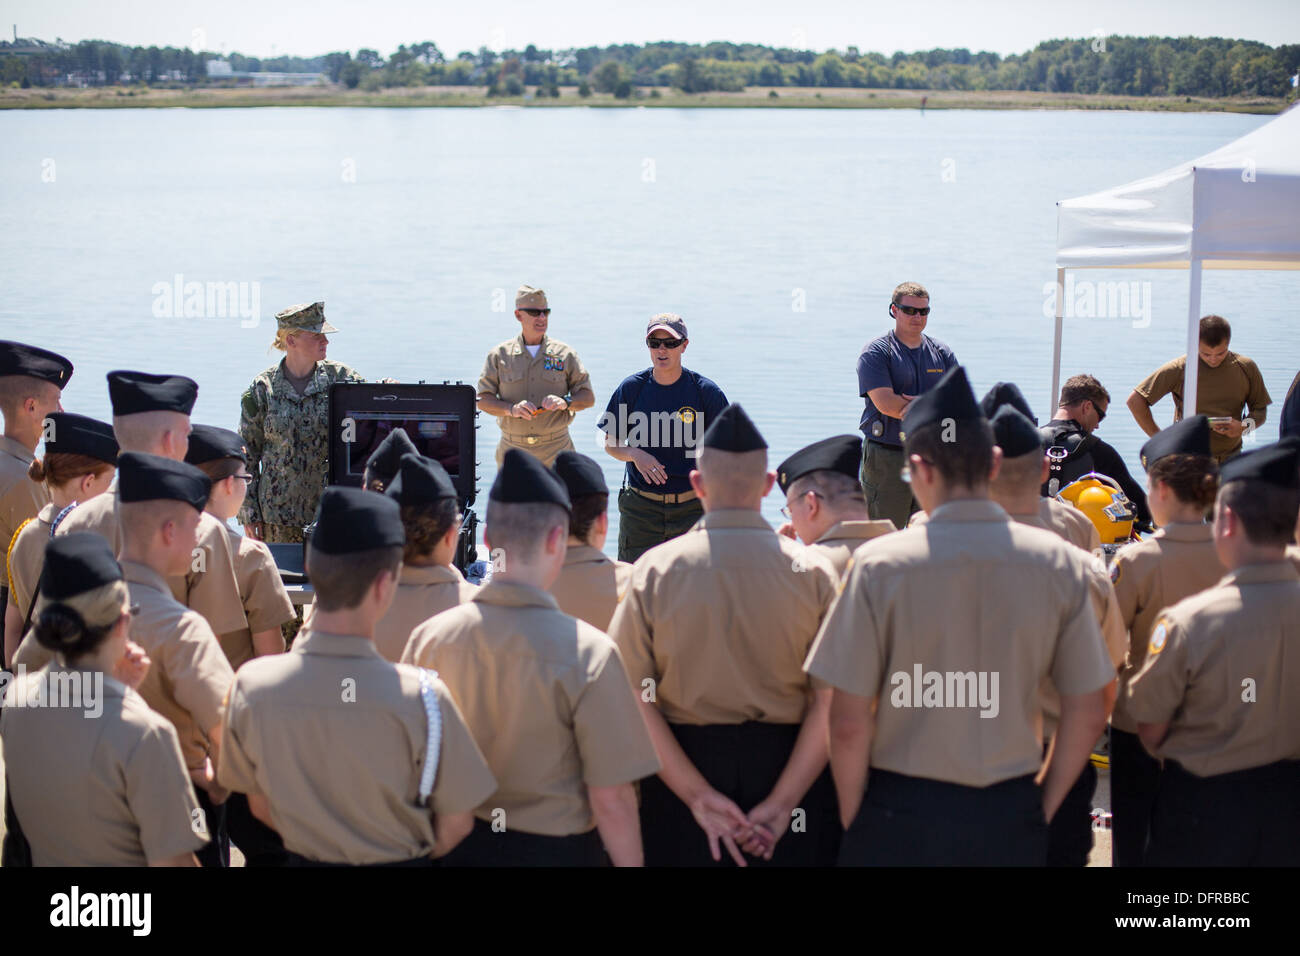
219 469
1215 331
586 509
1194 479
58 468
426 524
1082 388
1267 512
908 288
342 580
963 463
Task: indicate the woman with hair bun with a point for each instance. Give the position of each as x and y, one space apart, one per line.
1150 575
112 791
80 453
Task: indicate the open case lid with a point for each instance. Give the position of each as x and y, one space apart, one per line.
440 420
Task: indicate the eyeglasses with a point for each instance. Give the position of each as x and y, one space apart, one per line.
912 310
246 479
536 312
785 509
663 343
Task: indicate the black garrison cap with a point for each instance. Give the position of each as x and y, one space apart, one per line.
19 359
1015 434
209 443
580 474
142 477
76 563
1006 393
525 480
843 453
135 392
420 481
733 431
385 461
951 398
351 519
1189 436
69 434
1277 464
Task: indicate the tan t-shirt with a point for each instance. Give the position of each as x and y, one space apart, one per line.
1150 575
1222 669
1070 523
335 737
546 698
20 497
591 585
209 587
1220 392
721 619
265 601
421 593
511 374
930 615
841 539
104 790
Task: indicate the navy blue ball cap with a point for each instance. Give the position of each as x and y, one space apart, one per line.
69 434
19 359
349 520
134 392
734 431
581 475
210 443
1188 436
420 481
843 454
142 477
525 480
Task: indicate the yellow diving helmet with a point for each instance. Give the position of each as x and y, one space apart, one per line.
1104 503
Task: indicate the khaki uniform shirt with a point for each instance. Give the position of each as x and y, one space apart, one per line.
925 615
26 559
287 436
1220 392
110 790
1150 575
1070 523
421 593
209 587
546 697
261 591
20 497
335 737
512 375
720 620
1293 553
841 539
1223 668
590 585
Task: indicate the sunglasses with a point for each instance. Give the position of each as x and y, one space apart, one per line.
1101 412
663 343
536 312
912 310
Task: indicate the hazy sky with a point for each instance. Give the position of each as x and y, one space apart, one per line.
264 27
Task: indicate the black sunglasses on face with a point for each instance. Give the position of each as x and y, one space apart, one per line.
912 310
663 343
536 312
1101 412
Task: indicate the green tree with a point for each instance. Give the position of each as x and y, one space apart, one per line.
584 89
606 77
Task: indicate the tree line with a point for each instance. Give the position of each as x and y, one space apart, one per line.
1132 66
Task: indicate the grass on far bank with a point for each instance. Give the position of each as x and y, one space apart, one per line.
754 97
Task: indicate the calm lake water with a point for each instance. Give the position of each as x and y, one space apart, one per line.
777 234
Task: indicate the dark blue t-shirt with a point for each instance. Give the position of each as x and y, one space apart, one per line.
888 363
668 421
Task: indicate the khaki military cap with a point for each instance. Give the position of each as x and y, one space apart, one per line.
307 317
529 298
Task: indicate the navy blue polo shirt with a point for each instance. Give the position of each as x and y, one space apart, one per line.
668 421
888 363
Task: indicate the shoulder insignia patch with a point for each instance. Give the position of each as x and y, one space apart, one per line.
1159 636
1115 572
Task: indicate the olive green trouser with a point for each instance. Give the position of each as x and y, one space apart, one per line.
887 494
643 523
285 534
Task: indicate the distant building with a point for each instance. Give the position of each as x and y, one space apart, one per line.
220 70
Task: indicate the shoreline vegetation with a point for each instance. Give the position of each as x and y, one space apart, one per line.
789 97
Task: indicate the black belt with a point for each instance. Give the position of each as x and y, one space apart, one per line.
296 859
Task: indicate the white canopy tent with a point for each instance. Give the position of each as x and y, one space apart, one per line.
1235 208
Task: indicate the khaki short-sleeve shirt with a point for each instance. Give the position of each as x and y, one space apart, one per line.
591 585
841 539
953 626
511 374
335 738
421 593
1223 392
265 601
721 618
20 497
96 786
1222 669
26 559
546 698
1070 523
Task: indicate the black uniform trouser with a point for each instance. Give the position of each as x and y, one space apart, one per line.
485 847
260 844
294 859
742 762
1244 818
216 852
1134 780
1069 835
912 821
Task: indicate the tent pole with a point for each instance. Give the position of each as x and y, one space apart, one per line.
1193 337
1056 345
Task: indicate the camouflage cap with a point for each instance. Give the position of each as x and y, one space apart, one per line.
529 298
307 317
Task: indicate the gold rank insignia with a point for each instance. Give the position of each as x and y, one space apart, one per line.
1159 636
